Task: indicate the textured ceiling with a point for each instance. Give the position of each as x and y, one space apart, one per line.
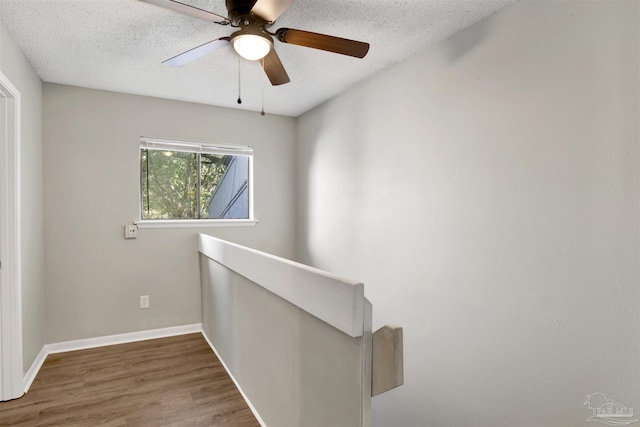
119 45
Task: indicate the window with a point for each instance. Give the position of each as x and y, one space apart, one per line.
186 180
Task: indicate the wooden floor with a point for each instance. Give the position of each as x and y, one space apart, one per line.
175 381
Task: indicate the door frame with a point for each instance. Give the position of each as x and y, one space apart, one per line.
11 363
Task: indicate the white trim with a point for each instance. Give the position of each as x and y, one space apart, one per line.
87 343
11 369
164 144
194 223
252 213
35 368
246 398
367 358
331 298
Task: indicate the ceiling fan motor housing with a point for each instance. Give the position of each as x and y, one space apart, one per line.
253 30
240 13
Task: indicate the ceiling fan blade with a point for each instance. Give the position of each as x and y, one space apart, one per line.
323 42
274 69
197 52
185 9
270 10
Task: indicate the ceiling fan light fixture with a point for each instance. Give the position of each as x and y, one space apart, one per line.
252 46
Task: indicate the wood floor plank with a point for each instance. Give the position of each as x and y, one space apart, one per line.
176 381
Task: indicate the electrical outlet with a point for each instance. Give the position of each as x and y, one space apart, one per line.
130 231
144 301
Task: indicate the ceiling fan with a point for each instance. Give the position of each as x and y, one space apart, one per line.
253 40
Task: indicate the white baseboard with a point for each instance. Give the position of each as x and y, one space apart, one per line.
244 396
122 338
102 342
34 369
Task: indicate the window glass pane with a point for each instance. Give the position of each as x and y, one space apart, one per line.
212 169
169 184
225 181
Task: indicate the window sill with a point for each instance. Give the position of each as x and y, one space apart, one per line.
191 223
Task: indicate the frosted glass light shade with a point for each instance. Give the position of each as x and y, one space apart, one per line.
252 46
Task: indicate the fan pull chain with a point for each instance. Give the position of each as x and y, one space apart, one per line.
262 112
239 85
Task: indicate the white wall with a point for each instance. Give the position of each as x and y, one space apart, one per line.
18 70
486 192
94 276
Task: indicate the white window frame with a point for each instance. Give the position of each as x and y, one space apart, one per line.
153 143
